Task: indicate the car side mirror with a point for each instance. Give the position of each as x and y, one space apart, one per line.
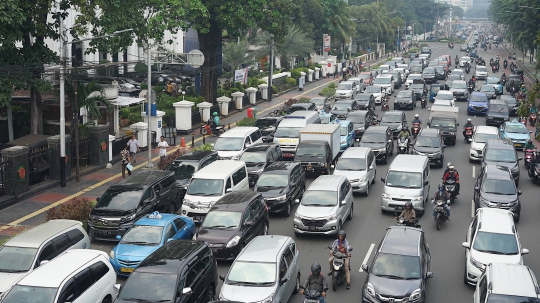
212 144
118 237
429 275
524 251
343 202
248 224
519 192
426 183
520 158
43 262
228 190
169 240
332 166
365 267
117 287
466 245
283 280
187 291
370 168
383 180
97 199
222 277
349 109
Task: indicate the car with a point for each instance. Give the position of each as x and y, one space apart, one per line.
501 152
232 142
405 99
343 107
516 79
345 90
416 68
302 107
400 269
492 237
145 236
464 60
463 48
495 188
441 72
395 120
365 101
359 165
489 90
498 112
379 139
232 222
397 78
459 89
282 184
450 79
459 72
361 119
433 91
477 104
325 206
347 134
187 164
387 82
496 82
425 50
403 72
430 143
481 135
481 72
386 67
267 270
517 132
411 78
268 125
512 104
322 104
419 89
445 96
446 58
179 271
327 118
377 91
258 157
366 77
360 86
506 283
441 102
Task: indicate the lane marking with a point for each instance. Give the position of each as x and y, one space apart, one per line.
367 255
472 209
473 171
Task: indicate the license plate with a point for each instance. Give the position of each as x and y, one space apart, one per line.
198 218
518 145
311 301
399 207
102 232
126 269
313 228
287 155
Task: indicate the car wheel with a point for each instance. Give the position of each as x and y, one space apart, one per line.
288 209
351 213
516 218
367 190
385 160
106 300
470 160
210 294
297 284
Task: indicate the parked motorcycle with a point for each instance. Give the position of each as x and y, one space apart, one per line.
532 119
403 145
450 187
529 158
312 296
207 129
338 268
468 134
440 213
402 222
415 129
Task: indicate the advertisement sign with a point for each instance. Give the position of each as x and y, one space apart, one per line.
326 42
241 75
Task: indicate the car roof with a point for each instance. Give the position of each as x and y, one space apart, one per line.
393 113
408 163
355 152
377 129
401 240
281 167
430 132
496 220
444 92
218 169
263 247
35 236
347 82
478 94
144 178
235 201
260 147
303 104
512 279
239 131
499 144
152 220
169 257
514 123
344 122
357 113
497 172
326 183
344 101
195 155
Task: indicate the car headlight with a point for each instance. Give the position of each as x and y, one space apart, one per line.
343 141
417 199
128 218
281 198
385 196
268 300
297 216
233 242
399 126
235 158
363 178
189 203
416 295
410 101
476 264
259 171
111 254
361 128
221 297
515 170
331 217
484 201
512 204
452 133
369 289
354 180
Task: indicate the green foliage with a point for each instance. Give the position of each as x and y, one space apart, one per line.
205 147
246 122
75 209
234 55
532 95
295 74
304 100
144 85
423 45
164 163
196 100
141 68
261 82
290 82
327 92
21 118
274 89
233 90
332 85
517 20
125 113
165 103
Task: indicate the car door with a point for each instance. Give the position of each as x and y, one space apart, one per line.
47 253
98 271
166 194
84 283
350 130
169 232
181 230
371 166
147 204
61 243
240 181
194 280
343 208
291 274
248 227
256 207
281 291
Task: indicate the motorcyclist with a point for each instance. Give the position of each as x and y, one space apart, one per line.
408 213
505 63
456 60
452 173
530 145
443 195
404 133
316 281
341 245
417 119
468 124
523 89
216 122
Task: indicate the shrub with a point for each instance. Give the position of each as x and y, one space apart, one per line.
141 68
274 89
238 85
291 82
327 92
246 122
244 86
205 147
332 85
312 67
233 90
305 69
295 74
261 82
304 100
318 65
423 44
77 209
164 163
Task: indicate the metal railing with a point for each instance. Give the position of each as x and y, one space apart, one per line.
3 177
85 153
39 160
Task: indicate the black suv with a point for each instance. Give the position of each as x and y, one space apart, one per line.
502 152
497 113
405 99
181 271
128 200
495 188
379 139
395 120
188 164
342 108
365 101
268 126
400 268
259 156
361 120
232 222
430 75
441 72
302 107
281 184
430 143
418 89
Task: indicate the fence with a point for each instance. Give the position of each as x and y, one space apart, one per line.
85 153
120 143
196 118
3 165
40 160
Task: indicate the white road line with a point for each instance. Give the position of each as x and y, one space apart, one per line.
367 255
473 172
472 209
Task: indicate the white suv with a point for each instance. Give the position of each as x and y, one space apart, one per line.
345 90
386 81
492 238
507 283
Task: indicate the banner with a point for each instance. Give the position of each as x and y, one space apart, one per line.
241 75
326 42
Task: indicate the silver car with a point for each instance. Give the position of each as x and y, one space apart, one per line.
359 166
325 206
267 270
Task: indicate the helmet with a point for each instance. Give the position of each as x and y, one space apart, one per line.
441 187
529 141
409 204
451 168
405 127
416 116
469 120
315 269
342 233
449 164
215 114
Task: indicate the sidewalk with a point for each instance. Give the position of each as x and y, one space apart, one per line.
523 61
31 211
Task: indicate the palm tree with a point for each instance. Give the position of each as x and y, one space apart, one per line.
89 96
234 54
295 43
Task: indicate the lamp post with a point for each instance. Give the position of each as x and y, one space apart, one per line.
184 95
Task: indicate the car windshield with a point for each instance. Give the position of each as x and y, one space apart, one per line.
288 132
516 129
481 69
453 77
424 141
351 164
391 118
265 123
362 97
510 100
143 235
404 179
254 157
205 187
499 108
383 80
356 118
310 150
16 259
465 59
344 130
414 77
496 298
342 105
31 294
272 180
136 287
429 70
373 89
445 96
317 101
404 94
120 198
344 86
443 122
184 169
500 187
479 98
373 138
396 267
487 88
252 274
494 243
483 138
459 85
492 80
222 219
228 143
417 87
320 198
500 155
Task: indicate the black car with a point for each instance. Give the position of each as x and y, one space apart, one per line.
186 165
361 120
379 139
397 76
429 75
281 184
517 82
512 104
267 126
302 107
418 89
128 200
181 271
395 120
498 112
365 101
405 99
322 103
232 222
430 143
400 268
315 156
441 72
342 108
416 69
495 187
501 152
258 157
425 50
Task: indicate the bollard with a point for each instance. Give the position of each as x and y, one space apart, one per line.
203 139
183 142
192 140
174 138
229 126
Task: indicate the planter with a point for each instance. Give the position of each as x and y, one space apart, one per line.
124 122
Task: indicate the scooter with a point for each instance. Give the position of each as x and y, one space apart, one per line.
312 296
505 64
207 129
468 134
338 268
402 222
450 187
440 213
532 119
415 129
523 120
384 106
403 145
423 102
529 158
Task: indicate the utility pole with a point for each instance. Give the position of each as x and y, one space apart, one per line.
149 112
398 38
271 70
437 25
62 108
76 117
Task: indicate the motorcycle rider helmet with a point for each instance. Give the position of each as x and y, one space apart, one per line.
408 204
416 116
316 269
342 233
469 120
441 188
451 169
529 141
448 165
215 114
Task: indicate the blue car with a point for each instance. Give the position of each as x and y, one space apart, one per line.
347 134
478 104
517 132
496 83
145 236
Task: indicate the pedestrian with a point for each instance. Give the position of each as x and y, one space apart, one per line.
162 145
124 154
134 148
160 79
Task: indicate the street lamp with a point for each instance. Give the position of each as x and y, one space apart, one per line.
183 95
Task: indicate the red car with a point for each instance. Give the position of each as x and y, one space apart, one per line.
366 77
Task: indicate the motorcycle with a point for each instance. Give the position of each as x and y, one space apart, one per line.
513 91
403 145
440 213
415 129
534 173
402 222
384 106
532 119
338 265
207 129
312 296
514 56
450 187
494 68
467 69
505 64
485 48
529 158
423 102
468 134
523 120
496 44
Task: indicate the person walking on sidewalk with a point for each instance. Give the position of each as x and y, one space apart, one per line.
124 154
134 148
162 145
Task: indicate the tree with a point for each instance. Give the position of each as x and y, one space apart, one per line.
457 12
234 55
376 25
295 43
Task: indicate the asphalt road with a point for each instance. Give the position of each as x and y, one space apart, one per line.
368 225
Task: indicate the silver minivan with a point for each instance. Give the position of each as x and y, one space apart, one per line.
267 270
358 165
407 180
325 206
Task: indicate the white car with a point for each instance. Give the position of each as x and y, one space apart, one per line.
405 67
377 91
402 72
463 60
386 67
411 78
345 90
358 165
386 82
460 72
445 96
492 238
481 73
507 283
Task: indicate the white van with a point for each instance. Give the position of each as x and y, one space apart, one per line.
481 135
233 142
288 132
210 184
78 276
